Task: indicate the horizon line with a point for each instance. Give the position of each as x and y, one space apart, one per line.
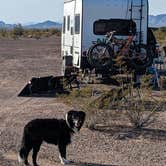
41 21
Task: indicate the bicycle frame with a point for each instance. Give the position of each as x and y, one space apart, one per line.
105 55
112 39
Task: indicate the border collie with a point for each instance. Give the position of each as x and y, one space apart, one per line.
52 131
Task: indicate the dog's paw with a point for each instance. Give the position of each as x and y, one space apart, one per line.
65 161
21 161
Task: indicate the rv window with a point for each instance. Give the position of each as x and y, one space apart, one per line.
64 24
77 23
122 27
100 28
68 23
71 31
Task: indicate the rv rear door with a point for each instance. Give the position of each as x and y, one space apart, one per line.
68 24
77 33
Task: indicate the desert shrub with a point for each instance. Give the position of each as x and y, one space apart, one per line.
140 109
124 105
39 33
162 29
54 31
17 31
108 98
3 33
160 35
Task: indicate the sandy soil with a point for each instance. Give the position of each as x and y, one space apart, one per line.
24 58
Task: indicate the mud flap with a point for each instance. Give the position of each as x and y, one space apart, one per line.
47 86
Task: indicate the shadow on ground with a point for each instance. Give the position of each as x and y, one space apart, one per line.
127 132
90 164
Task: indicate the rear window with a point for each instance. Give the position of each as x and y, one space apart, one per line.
122 27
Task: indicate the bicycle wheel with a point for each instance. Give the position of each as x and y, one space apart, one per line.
143 58
100 56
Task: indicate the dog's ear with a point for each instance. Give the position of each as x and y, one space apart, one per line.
82 115
69 115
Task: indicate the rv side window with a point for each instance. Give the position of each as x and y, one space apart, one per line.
64 24
72 32
77 23
68 23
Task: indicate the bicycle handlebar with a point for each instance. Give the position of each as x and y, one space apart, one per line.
110 33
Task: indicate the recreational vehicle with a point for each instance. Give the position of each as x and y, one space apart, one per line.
96 33
86 22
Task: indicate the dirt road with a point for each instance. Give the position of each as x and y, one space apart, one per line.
19 61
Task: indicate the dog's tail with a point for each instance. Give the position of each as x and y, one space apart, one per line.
21 156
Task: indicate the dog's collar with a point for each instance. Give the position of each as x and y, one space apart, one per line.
75 130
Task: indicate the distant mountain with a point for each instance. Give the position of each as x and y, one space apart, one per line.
44 25
157 21
6 26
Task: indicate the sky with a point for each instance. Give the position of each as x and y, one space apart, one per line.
31 11
157 7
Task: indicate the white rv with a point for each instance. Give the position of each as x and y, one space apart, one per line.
78 21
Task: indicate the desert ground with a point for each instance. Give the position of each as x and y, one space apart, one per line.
24 58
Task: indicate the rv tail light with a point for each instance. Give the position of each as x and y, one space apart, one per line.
157 49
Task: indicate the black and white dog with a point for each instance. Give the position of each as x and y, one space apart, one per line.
53 131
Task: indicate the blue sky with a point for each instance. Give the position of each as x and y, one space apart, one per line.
25 11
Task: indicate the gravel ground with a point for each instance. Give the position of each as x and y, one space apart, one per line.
24 58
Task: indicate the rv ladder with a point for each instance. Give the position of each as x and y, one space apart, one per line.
137 5
138 20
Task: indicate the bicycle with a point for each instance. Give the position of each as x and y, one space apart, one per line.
114 52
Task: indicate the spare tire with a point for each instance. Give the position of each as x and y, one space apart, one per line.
141 64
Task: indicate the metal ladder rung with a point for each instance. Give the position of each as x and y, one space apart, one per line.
138 6
138 18
139 32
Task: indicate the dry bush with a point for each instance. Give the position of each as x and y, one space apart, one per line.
3 33
160 34
130 105
19 31
104 101
139 111
124 105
